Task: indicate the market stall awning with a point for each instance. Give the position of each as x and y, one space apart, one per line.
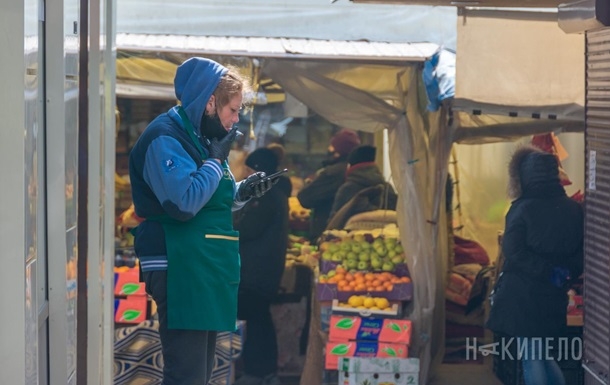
266 47
355 84
469 3
517 74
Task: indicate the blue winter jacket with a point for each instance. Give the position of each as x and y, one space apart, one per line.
166 171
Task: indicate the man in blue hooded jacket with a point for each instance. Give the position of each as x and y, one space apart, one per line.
183 188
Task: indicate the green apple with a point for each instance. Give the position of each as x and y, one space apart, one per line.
364 245
397 259
376 263
364 257
363 265
387 266
331 273
327 255
351 255
398 249
345 246
333 247
381 250
351 264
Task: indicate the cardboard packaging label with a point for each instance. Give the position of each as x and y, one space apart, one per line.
130 310
335 350
128 283
378 371
346 328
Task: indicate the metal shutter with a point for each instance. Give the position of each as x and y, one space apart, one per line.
596 357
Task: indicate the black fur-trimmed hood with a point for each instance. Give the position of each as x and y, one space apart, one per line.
531 169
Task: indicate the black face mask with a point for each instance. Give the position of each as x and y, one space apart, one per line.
211 127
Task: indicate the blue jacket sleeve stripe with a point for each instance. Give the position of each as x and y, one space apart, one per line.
172 175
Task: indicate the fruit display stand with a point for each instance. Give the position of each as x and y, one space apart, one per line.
361 275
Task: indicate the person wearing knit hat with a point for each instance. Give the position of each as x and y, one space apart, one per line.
343 142
362 154
319 194
361 174
263 239
263 159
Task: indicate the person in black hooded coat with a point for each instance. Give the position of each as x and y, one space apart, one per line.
263 240
543 250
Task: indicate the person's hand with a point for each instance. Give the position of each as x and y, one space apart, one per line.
255 185
219 149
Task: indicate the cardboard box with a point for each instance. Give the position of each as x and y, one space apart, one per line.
336 350
130 310
128 283
354 328
378 371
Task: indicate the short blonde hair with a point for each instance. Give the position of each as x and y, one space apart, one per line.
231 84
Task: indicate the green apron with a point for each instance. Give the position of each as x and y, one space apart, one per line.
203 264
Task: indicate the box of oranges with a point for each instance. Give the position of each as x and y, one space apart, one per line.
341 285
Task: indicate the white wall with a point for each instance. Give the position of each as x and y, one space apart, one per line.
12 194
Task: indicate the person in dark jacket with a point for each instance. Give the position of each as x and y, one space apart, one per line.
184 190
543 250
263 229
362 173
320 193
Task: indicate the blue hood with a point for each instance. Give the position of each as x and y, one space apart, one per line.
195 81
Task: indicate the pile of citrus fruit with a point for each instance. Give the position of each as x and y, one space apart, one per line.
364 281
366 302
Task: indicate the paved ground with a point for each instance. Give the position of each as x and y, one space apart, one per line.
448 374
465 374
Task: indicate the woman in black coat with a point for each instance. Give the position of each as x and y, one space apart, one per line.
542 246
263 239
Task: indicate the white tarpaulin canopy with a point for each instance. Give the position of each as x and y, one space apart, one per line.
518 73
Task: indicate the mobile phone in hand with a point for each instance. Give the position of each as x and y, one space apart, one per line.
273 176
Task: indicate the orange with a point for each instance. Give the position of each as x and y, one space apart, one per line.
405 279
369 276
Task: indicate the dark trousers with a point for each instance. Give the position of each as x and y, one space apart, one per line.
188 355
259 352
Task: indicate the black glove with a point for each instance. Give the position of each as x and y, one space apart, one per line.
255 186
219 149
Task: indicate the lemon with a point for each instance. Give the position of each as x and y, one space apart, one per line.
369 302
382 303
355 301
